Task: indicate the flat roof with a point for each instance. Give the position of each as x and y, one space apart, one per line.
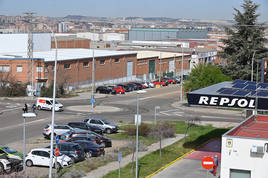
65 54
150 54
253 127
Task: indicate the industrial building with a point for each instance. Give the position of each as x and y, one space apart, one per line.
147 34
244 150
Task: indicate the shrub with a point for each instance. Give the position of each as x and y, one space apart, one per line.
164 129
144 130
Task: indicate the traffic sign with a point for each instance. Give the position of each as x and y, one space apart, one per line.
92 101
208 163
119 156
57 139
137 119
57 152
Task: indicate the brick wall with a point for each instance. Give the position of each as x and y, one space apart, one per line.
71 44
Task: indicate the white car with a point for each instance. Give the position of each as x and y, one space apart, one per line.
59 129
5 166
150 84
47 104
41 156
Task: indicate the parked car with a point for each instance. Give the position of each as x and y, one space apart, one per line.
176 79
170 80
105 124
41 157
83 137
74 132
162 83
9 162
139 85
47 104
11 153
73 150
118 89
5 165
92 136
151 84
127 88
132 86
105 90
85 126
91 149
59 129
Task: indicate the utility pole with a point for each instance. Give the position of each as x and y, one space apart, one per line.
30 72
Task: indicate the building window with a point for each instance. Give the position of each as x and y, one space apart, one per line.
4 68
102 62
46 68
116 60
85 64
67 66
235 173
39 69
19 68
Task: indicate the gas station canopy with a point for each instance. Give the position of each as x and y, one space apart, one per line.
240 94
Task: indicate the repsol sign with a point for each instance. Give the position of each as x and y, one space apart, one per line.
226 101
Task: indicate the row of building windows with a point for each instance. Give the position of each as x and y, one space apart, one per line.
19 68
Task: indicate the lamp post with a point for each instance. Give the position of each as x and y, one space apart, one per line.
25 115
53 108
155 108
137 119
181 96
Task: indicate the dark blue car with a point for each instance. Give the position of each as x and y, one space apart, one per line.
90 148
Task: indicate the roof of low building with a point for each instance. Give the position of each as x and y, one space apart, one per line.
65 54
253 127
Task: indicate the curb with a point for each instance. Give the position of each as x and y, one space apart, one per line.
169 164
179 158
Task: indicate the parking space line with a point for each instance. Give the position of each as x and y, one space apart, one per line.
164 113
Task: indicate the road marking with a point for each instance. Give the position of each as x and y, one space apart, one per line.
145 98
21 124
10 109
178 115
164 113
213 117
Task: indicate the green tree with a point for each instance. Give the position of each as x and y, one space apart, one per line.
245 40
204 75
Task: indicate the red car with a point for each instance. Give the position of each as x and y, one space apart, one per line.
170 80
162 83
119 89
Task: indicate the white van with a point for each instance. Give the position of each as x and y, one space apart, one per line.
47 103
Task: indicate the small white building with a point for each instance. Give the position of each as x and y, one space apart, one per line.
244 151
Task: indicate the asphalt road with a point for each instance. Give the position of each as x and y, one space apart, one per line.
11 121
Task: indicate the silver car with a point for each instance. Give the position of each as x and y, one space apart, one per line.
59 129
106 125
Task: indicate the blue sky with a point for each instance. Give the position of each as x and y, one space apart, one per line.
196 9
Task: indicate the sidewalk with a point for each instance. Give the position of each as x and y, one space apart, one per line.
101 171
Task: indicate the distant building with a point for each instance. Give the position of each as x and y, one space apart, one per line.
166 34
62 27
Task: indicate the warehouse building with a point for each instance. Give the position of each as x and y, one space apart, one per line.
147 34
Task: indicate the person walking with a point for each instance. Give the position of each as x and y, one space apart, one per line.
216 161
34 108
25 109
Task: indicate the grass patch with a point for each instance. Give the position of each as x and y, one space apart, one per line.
152 162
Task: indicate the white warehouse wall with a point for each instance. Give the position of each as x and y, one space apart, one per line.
239 157
19 42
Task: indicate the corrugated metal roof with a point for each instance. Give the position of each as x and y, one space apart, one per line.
67 54
150 54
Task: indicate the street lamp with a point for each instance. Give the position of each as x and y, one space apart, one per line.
137 122
53 108
182 73
25 115
155 108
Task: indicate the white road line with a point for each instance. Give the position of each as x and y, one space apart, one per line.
164 113
157 95
10 109
215 117
178 115
21 124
